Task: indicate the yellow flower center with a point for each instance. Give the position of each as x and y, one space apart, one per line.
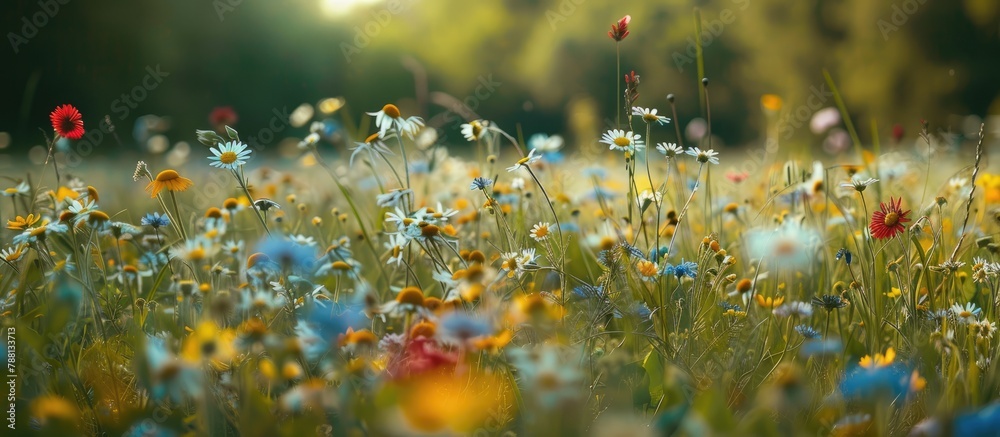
542 232
548 381
391 110
965 314
340 265
197 254
371 138
891 219
646 268
167 175
411 295
649 117
227 157
622 142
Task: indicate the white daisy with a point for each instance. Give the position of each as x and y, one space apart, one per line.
620 140
669 150
390 118
475 129
392 198
647 197
517 183
21 188
858 184
704 156
303 240
229 156
371 145
649 115
541 231
309 141
526 161
545 143
966 314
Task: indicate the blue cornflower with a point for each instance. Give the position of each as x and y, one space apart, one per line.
685 268
155 220
726 306
153 260
481 183
829 302
845 254
587 291
229 156
631 250
807 331
656 253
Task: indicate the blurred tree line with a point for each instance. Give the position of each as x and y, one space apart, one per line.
551 62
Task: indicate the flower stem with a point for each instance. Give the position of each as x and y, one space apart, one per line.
177 212
256 211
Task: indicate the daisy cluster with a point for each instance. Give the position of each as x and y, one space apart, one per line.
371 282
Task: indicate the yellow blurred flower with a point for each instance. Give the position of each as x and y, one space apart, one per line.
880 360
461 403
769 302
209 342
53 407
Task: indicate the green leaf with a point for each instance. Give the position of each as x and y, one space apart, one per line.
654 369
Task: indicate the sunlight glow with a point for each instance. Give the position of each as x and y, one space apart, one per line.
337 8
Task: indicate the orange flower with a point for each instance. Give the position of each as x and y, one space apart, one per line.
21 223
64 193
170 180
771 102
493 343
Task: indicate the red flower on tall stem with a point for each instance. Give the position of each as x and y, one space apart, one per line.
620 30
67 122
223 116
888 221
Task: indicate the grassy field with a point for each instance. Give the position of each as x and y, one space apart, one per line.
633 284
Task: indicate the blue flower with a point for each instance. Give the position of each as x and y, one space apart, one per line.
656 253
461 327
685 268
587 291
153 260
553 157
807 331
984 422
726 306
845 254
862 383
821 347
229 156
155 220
481 183
288 254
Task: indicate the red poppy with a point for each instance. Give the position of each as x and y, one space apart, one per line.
888 221
223 116
67 122
897 132
620 30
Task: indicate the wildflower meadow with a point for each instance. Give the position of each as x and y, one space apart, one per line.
394 276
